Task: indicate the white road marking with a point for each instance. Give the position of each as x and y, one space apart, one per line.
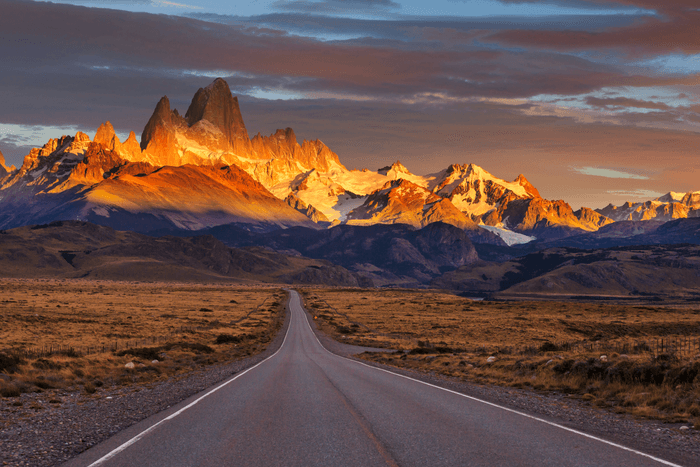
581 433
119 449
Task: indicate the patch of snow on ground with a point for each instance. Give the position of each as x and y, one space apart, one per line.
508 236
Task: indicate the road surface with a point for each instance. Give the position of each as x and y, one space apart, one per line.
304 406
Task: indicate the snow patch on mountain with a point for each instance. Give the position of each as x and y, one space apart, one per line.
508 236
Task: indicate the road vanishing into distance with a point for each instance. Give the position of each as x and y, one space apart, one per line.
305 406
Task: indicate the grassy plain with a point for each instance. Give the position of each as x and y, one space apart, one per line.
544 345
73 334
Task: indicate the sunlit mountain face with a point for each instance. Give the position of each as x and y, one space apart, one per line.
202 170
595 102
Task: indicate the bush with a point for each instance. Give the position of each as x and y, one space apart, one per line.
563 367
147 353
683 375
10 391
43 384
8 363
548 347
228 339
89 388
590 369
195 347
43 364
437 349
650 374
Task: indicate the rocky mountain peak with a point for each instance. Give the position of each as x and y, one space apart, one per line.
3 166
394 169
531 190
215 104
105 134
475 171
129 150
691 199
399 167
286 141
81 137
162 117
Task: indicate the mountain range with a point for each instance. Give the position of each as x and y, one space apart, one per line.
202 174
202 169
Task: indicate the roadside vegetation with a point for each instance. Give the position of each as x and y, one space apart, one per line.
58 336
638 360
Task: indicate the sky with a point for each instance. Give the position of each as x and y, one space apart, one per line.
594 101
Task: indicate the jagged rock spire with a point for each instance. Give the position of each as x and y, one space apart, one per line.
216 105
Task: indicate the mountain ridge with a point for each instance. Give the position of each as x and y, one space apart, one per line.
286 183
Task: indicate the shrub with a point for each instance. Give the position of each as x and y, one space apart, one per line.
43 384
8 363
228 339
195 347
147 353
590 369
548 347
563 367
682 375
43 364
89 388
10 391
437 349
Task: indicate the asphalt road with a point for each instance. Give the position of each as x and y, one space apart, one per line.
304 406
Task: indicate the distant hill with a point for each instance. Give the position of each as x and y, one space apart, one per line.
651 270
73 249
393 254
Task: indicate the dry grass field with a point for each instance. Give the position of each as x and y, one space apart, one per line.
602 353
72 334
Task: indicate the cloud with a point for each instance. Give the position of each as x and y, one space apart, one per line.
411 29
673 32
176 5
656 5
63 41
335 6
639 194
624 102
607 173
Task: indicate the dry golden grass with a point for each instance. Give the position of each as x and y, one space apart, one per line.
182 326
522 344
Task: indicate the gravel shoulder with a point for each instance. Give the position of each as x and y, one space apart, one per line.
43 434
663 440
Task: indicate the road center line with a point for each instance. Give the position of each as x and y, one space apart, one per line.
571 430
